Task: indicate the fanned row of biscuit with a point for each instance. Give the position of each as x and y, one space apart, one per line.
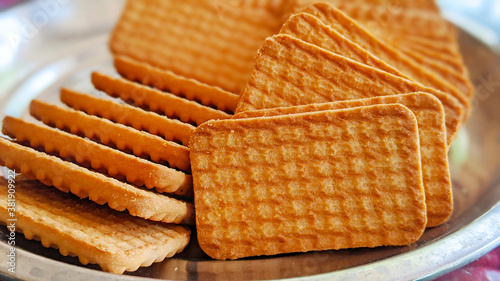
114 153
132 157
318 130
288 125
73 226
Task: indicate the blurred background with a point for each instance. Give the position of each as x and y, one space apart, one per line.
479 17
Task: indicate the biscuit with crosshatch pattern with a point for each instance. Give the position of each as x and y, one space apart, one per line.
433 148
69 177
116 241
453 81
289 71
153 123
213 42
304 182
126 139
115 163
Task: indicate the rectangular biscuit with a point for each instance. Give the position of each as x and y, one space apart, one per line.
310 29
433 147
69 177
116 241
153 123
115 135
292 72
424 36
172 106
409 31
402 21
445 53
418 5
168 81
119 165
213 42
451 81
307 182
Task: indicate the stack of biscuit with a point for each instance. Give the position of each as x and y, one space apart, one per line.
288 125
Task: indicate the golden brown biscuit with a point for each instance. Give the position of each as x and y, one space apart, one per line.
213 42
292 72
116 241
310 29
420 5
402 22
101 189
124 138
433 147
168 81
456 84
157 101
115 163
306 182
169 129
445 53
424 36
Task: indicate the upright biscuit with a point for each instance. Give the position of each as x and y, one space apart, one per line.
445 53
308 182
70 177
383 20
425 37
410 31
213 42
433 147
111 134
291 72
455 83
117 164
117 242
168 81
419 5
310 29
157 101
169 129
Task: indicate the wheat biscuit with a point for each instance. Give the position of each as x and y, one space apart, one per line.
425 37
169 129
403 22
460 77
455 83
410 31
124 138
421 6
310 29
292 72
116 241
433 147
175 84
213 42
172 106
115 163
84 183
307 182
444 53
